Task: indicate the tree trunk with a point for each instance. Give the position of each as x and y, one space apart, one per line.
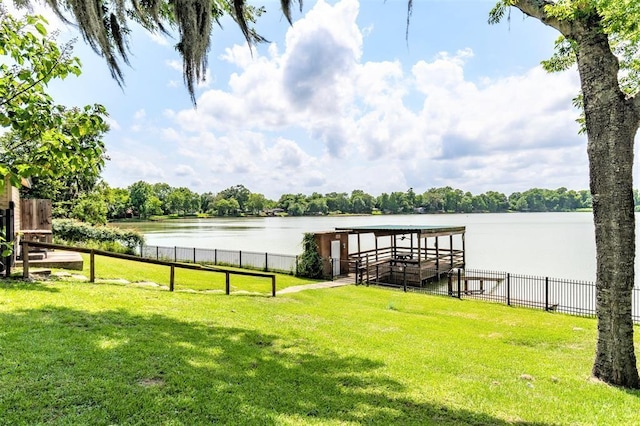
612 122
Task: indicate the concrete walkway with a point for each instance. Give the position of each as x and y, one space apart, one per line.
326 284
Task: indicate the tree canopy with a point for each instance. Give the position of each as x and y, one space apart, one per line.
62 146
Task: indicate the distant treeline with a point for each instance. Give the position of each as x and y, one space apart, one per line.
144 200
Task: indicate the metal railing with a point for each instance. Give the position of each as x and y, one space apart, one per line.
270 262
551 294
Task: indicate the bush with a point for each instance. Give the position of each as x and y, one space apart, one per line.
106 237
310 262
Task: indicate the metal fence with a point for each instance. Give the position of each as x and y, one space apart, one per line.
551 294
242 259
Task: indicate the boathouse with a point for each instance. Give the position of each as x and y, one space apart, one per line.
402 254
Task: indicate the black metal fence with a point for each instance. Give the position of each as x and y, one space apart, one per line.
270 262
551 294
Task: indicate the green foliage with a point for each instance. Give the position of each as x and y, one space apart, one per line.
73 231
44 140
91 209
309 262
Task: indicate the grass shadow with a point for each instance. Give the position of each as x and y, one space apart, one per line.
67 366
24 285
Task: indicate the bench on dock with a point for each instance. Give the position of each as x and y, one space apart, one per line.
466 280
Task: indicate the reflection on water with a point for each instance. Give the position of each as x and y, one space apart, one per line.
552 244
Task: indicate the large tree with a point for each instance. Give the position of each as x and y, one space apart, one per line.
601 36
598 35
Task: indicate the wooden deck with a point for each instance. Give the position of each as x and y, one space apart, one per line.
56 259
401 270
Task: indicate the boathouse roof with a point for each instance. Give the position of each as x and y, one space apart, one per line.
404 229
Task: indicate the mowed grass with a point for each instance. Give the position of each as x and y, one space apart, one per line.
185 279
99 354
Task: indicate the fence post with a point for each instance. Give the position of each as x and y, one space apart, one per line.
273 286
215 256
25 259
157 252
331 266
459 275
266 262
240 256
172 276
92 267
404 277
227 286
175 253
508 289
194 256
546 293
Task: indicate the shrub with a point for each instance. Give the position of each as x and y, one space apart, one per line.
75 232
310 262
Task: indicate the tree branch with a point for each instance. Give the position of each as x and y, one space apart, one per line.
536 9
29 87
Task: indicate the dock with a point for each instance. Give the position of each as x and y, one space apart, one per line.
408 255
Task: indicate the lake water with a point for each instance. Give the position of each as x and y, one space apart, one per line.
560 245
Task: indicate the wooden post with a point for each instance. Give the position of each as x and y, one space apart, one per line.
92 267
464 256
194 255
394 246
451 248
375 237
25 259
367 265
172 277
273 286
437 255
404 277
266 262
227 284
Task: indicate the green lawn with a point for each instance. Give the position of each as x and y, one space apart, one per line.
108 268
79 353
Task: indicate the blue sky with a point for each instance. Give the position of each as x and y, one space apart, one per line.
342 101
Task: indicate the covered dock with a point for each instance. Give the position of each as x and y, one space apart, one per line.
402 254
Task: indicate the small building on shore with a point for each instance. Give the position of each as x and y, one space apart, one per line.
394 254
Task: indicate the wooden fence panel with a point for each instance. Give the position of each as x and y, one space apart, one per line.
35 214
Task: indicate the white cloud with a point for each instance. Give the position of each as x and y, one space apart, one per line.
157 38
113 124
184 170
312 115
139 114
174 64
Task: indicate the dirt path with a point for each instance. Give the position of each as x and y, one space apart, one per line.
326 284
